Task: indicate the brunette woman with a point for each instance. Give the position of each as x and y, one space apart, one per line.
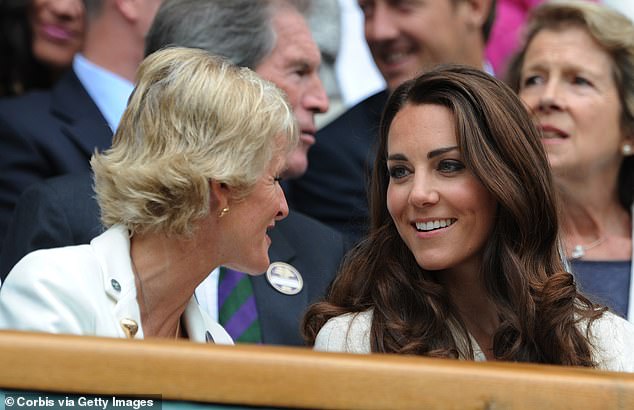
463 258
38 40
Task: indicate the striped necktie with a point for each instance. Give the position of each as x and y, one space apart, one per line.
237 311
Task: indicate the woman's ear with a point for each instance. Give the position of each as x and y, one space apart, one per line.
219 197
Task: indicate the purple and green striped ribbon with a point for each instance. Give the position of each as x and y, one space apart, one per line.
237 311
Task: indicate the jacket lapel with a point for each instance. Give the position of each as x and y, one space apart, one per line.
82 122
118 278
275 308
201 328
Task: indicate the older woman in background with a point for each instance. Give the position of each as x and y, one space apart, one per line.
190 183
38 41
576 74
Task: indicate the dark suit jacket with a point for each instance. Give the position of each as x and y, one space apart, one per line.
44 134
62 211
334 188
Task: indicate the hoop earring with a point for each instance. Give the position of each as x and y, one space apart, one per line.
223 212
626 150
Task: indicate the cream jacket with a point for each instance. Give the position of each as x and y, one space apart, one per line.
86 290
612 338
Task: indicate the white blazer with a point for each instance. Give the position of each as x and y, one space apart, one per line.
86 290
610 336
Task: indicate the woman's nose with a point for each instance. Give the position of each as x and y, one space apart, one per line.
550 99
423 193
283 210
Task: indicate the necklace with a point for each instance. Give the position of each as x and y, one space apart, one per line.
579 251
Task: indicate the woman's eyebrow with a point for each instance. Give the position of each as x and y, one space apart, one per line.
440 151
430 154
397 157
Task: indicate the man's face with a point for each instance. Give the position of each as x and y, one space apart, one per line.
406 37
293 65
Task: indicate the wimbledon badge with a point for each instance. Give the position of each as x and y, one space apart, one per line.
284 278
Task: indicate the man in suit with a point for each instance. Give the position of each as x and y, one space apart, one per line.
272 38
44 134
404 37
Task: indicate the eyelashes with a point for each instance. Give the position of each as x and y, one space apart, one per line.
445 166
398 172
450 165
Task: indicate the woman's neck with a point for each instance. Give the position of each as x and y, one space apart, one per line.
482 321
595 227
167 272
476 310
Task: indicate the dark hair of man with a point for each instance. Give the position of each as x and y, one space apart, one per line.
488 22
537 301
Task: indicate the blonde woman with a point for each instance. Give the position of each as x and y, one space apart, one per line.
190 183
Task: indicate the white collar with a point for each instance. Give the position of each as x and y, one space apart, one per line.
119 285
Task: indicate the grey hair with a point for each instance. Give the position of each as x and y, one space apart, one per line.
239 30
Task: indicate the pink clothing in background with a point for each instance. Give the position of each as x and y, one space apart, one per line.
510 16
507 29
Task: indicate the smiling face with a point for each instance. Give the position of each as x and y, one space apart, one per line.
407 36
440 209
567 82
58 30
293 65
249 219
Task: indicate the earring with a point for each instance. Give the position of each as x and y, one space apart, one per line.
626 150
223 212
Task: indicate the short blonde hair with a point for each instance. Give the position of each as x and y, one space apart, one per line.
192 118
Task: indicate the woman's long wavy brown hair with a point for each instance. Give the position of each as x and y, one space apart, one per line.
536 299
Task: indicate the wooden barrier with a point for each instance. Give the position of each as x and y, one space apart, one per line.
296 378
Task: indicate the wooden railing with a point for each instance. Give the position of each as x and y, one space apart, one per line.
294 377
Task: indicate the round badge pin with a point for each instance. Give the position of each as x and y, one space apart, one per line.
284 278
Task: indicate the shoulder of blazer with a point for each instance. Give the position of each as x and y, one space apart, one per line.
364 115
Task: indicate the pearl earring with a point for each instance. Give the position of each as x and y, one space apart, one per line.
626 150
